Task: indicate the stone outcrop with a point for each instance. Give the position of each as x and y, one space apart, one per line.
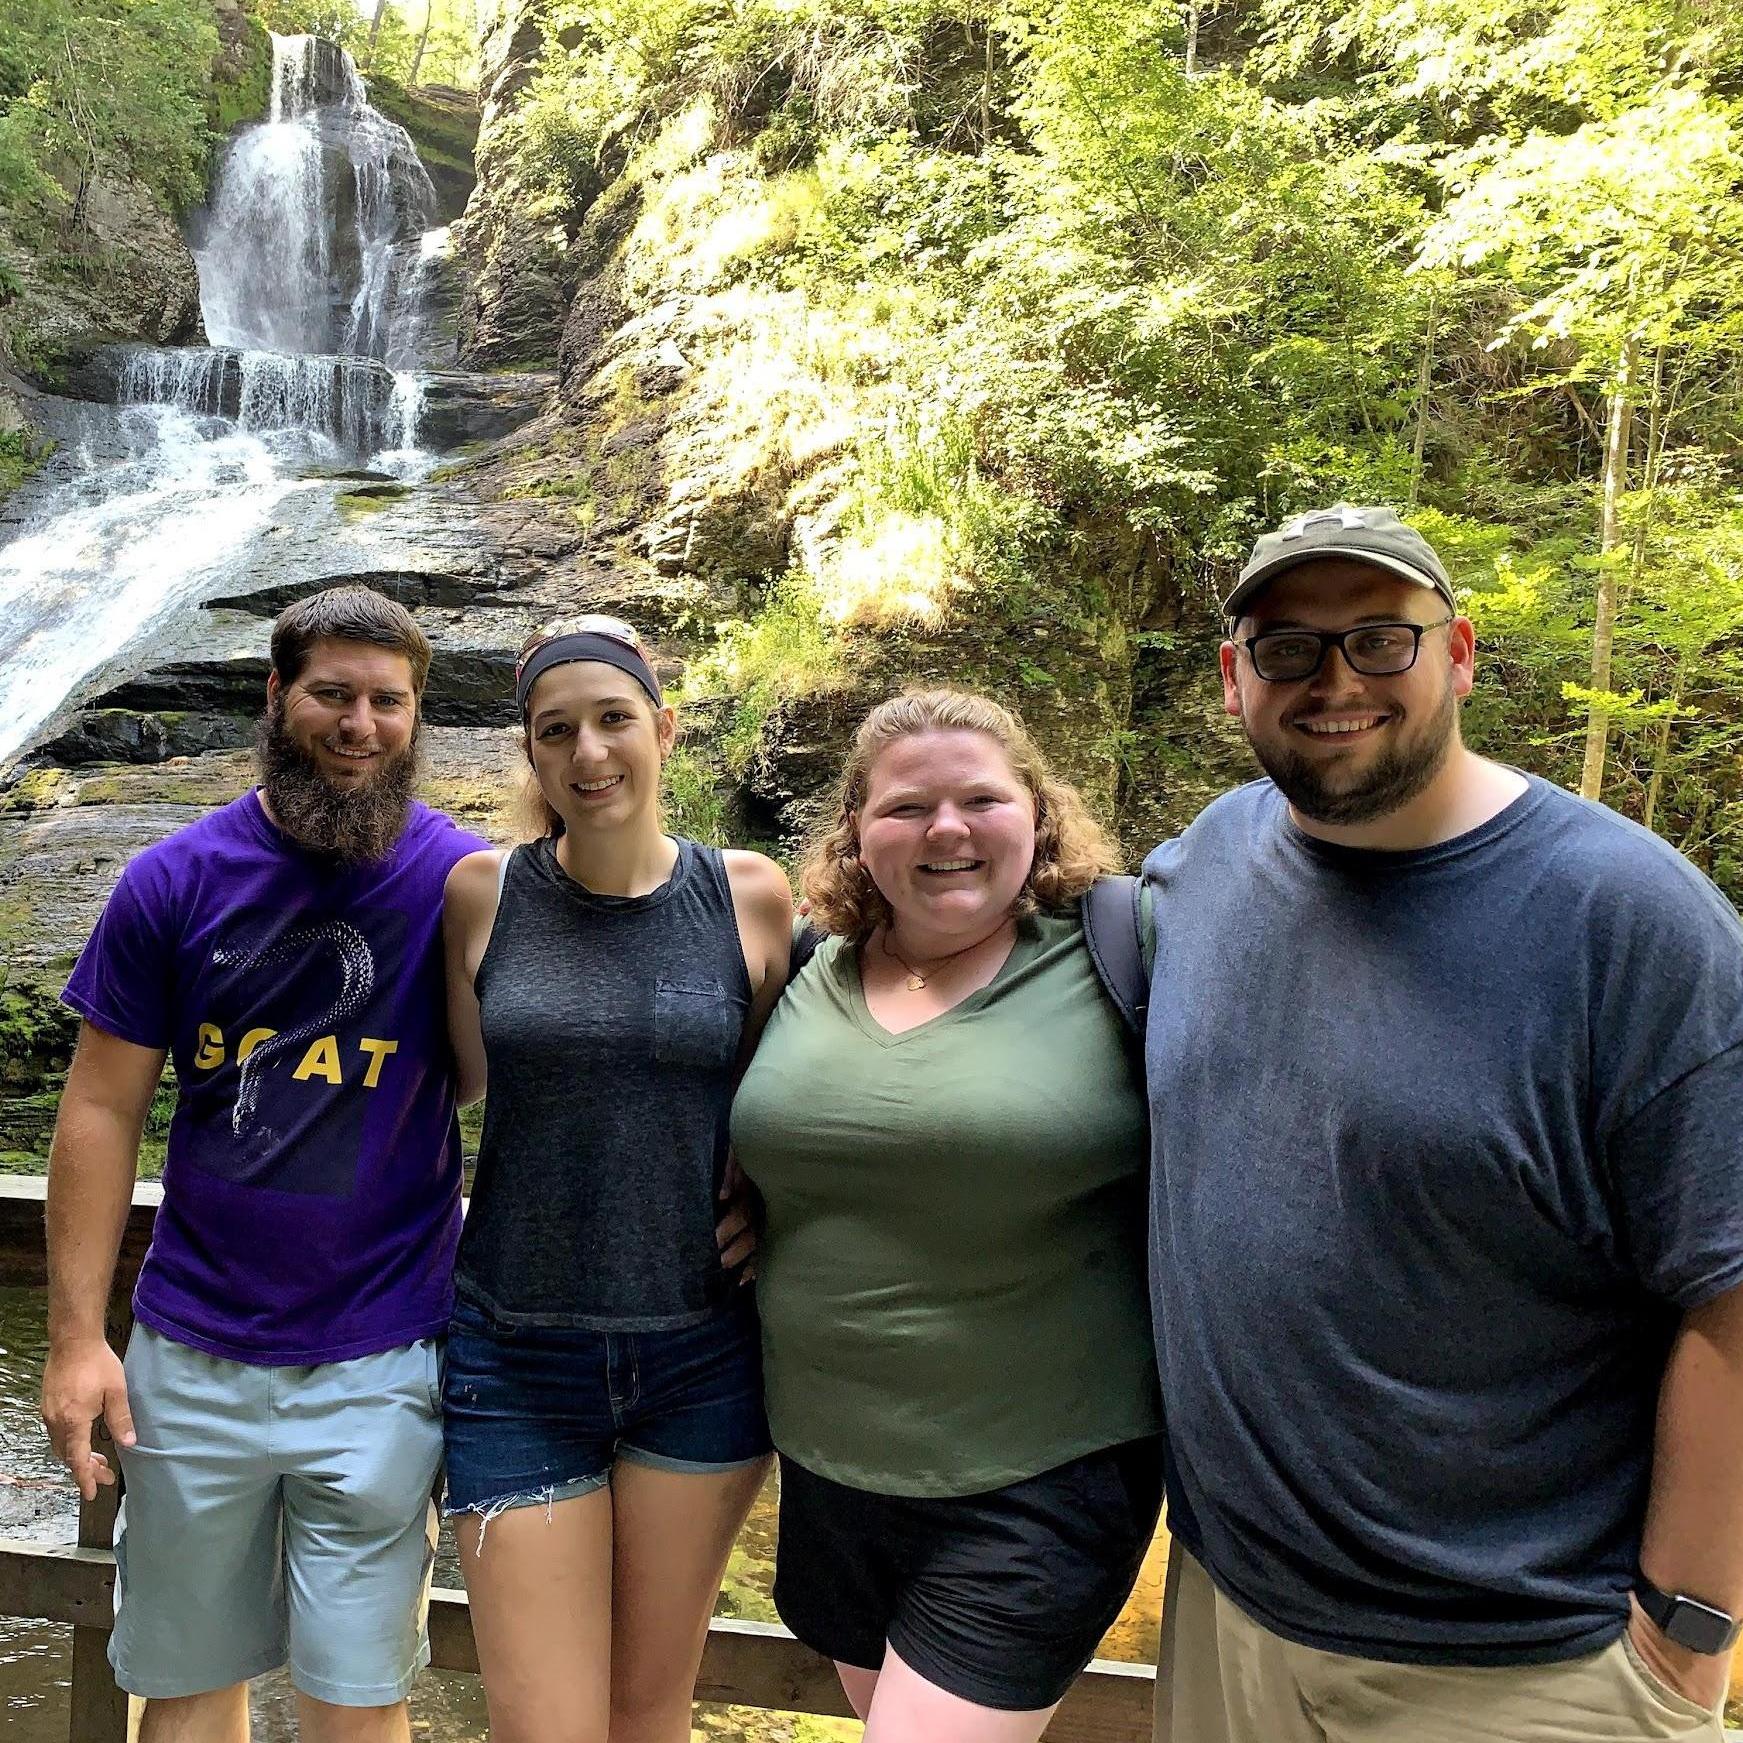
144 285
443 124
462 409
514 250
125 735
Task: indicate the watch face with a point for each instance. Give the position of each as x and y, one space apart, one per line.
1699 1626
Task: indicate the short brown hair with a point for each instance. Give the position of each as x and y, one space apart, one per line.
347 614
1071 849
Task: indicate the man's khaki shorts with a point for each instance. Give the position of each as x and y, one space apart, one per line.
1224 1679
276 1514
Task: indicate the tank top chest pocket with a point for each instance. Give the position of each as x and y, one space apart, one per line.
697 1022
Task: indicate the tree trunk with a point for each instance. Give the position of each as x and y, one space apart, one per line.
1191 37
423 41
1658 419
1424 375
1661 751
1618 427
375 28
986 91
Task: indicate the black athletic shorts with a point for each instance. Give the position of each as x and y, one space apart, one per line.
1000 1598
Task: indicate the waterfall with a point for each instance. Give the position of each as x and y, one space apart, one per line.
358 405
315 262
312 206
118 547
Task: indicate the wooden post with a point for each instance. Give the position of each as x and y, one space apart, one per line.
100 1709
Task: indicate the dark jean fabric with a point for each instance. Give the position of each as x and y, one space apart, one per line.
534 1416
1000 1598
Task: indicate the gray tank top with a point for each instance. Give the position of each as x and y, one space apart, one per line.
611 1027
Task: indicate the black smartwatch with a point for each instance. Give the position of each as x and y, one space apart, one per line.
1690 1623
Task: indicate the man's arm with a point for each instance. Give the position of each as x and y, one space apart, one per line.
91 1167
1694 1518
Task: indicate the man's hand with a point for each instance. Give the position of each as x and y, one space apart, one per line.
1701 1677
80 1383
736 1232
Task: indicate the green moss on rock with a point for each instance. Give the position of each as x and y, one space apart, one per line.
35 790
36 1038
20 455
370 499
242 82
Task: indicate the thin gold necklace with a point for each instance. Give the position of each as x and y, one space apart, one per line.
916 980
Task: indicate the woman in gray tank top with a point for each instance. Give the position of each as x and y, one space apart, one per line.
603 1408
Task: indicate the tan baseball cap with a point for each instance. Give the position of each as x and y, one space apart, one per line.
1362 535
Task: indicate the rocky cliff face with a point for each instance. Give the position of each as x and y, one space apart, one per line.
130 276
513 245
709 460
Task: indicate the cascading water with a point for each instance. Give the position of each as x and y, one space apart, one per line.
298 253
357 404
314 260
141 534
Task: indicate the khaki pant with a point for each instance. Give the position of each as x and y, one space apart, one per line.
1224 1679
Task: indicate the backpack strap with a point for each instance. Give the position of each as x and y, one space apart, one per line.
806 938
1114 930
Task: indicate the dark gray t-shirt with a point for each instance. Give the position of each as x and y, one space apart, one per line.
1445 1141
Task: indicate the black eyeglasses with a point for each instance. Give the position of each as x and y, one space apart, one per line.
1376 650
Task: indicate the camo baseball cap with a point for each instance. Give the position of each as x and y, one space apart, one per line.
1362 535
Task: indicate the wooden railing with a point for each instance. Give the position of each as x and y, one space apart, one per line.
750 1664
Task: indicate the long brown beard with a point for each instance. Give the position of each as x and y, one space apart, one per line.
354 825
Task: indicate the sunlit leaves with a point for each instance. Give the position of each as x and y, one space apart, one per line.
94 87
1628 227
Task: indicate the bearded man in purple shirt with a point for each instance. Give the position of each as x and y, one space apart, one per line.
277 1414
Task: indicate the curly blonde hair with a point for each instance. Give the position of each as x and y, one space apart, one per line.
533 816
1071 848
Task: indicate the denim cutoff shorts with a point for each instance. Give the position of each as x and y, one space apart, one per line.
531 1416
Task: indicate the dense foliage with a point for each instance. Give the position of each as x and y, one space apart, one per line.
1197 267
103 87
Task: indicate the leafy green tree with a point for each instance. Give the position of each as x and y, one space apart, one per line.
1623 238
103 87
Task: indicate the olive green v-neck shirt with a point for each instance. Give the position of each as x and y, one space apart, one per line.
951 1280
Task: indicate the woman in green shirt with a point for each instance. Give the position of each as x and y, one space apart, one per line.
949 1133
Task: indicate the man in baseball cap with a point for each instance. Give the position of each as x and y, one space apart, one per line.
1447 1209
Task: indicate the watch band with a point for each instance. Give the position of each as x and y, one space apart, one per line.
1699 1627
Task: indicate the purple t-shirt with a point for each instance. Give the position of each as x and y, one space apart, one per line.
311 1200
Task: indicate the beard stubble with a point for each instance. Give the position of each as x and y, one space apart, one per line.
1395 778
